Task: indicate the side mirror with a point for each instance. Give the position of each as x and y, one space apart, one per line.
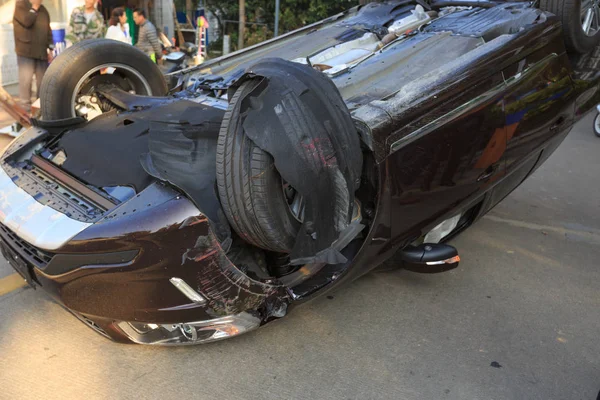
430 258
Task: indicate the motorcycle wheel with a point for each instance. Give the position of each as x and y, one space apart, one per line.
597 125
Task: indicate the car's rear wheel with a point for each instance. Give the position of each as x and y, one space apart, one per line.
581 22
70 84
260 206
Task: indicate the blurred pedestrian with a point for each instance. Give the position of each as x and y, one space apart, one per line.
147 36
119 29
86 23
33 45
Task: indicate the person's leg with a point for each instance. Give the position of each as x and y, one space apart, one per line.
26 70
40 69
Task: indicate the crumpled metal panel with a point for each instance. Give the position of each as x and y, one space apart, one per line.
229 290
182 150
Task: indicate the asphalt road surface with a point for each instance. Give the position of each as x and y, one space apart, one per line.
520 319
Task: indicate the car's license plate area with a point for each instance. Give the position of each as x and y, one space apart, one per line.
17 263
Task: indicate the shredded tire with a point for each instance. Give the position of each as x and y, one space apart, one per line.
250 188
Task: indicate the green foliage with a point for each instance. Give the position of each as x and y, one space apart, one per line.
294 14
297 13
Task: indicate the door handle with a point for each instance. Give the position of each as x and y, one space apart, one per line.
488 173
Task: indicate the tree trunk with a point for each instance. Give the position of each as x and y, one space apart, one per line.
188 10
242 27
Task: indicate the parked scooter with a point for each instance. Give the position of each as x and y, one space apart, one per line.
175 58
173 62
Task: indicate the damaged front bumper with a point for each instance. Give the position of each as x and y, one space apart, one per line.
149 271
195 296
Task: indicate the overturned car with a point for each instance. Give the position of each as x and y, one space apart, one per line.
259 180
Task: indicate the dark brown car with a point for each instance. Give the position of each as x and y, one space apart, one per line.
273 175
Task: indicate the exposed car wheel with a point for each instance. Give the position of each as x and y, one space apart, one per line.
597 125
259 205
68 88
581 22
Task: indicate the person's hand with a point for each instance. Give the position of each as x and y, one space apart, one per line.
50 57
35 4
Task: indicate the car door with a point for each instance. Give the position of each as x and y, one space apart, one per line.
538 104
457 157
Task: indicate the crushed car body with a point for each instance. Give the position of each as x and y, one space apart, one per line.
272 175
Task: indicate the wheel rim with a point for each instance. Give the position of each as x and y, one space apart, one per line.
82 104
590 17
295 201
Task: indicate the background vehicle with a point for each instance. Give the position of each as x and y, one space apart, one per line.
597 123
281 171
175 58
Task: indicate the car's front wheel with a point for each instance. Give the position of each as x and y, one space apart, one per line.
259 205
69 88
581 22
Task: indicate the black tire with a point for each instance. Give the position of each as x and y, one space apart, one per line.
250 188
597 125
569 12
66 71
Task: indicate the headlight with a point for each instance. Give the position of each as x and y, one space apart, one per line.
189 332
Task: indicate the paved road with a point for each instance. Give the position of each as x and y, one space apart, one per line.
520 319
